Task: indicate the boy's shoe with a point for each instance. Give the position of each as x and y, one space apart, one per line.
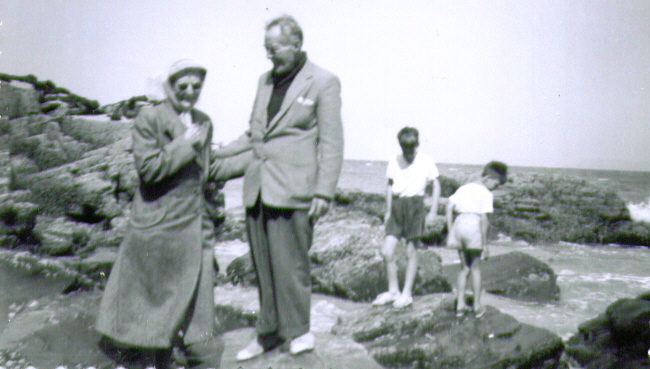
480 311
302 344
385 298
462 311
253 350
403 301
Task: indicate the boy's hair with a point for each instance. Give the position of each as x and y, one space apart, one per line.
497 170
407 132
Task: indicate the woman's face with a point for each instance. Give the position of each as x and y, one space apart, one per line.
187 89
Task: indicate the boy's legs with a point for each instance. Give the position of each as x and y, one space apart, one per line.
411 268
475 270
388 252
462 281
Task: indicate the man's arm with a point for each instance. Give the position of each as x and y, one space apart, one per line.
238 146
222 169
330 147
330 139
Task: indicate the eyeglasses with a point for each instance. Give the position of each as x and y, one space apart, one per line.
184 86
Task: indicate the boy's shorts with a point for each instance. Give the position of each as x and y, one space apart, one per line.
406 218
465 234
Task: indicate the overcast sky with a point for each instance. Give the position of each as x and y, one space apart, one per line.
532 83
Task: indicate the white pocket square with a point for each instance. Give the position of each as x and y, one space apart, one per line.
304 101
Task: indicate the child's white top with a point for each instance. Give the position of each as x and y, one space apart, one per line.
411 179
472 198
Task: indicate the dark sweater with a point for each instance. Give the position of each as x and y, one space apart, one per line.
281 83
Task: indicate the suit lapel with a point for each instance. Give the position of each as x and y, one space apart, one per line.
297 85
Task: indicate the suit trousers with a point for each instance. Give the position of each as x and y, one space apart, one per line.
280 240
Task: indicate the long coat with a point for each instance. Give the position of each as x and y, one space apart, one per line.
299 153
164 263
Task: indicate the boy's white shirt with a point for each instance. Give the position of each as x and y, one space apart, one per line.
411 180
473 198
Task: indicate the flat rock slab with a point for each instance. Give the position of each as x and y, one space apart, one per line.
331 352
430 335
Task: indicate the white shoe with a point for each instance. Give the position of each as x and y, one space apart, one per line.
403 301
253 350
302 344
385 298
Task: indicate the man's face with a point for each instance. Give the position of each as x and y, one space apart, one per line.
409 150
280 50
187 89
490 182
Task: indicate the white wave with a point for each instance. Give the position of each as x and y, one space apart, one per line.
640 212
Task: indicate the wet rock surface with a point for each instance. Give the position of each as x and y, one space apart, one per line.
515 275
430 335
618 338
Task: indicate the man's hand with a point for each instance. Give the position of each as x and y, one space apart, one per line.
318 208
485 254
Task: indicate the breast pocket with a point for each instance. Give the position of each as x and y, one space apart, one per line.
303 115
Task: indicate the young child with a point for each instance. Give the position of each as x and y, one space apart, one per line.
408 176
469 231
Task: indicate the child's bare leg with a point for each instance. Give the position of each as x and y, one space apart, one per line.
411 268
388 252
476 282
462 281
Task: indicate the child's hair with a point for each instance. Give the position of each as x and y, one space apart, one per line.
407 132
497 170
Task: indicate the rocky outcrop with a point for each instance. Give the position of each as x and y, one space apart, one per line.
80 170
549 207
23 95
618 338
346 259
17 99
430 335
515 275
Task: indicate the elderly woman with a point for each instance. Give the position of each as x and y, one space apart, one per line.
160 291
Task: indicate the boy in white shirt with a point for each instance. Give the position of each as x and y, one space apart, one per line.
408 176
468 233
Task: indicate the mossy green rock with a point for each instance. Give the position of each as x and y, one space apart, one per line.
550 208
430 335
618 338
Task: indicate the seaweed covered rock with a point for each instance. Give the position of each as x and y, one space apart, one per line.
548 207
618 338
60 237
17 218
515 275
430 335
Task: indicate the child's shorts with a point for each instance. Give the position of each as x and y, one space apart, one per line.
406 218
465 234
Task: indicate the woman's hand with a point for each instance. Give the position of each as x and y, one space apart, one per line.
194 135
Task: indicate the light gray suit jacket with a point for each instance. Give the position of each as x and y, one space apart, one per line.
299 154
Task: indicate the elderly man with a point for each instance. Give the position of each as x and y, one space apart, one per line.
297 139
